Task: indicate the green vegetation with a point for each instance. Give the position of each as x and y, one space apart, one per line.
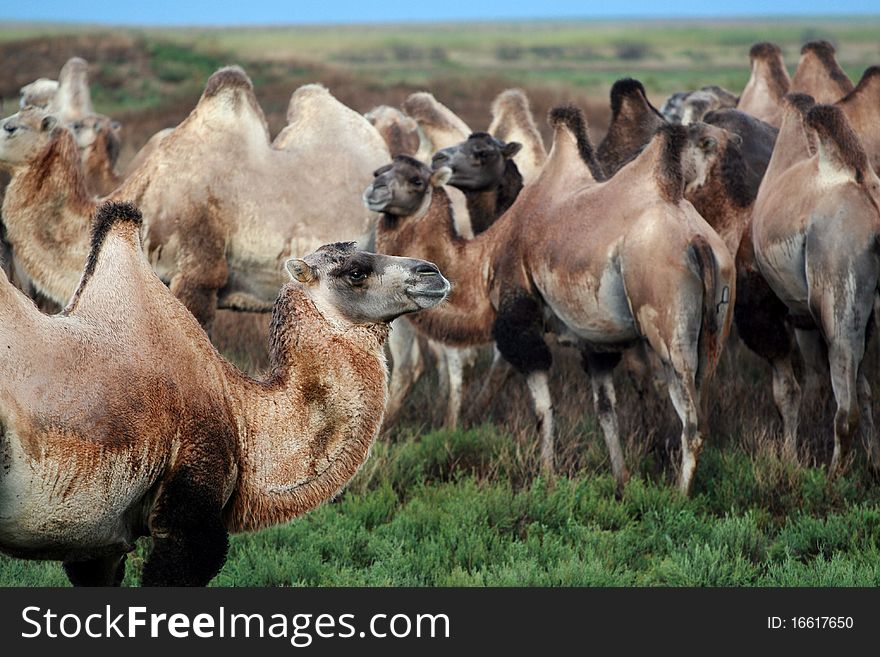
445 510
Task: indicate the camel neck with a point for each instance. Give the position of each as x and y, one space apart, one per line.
310 425
486 205
47 211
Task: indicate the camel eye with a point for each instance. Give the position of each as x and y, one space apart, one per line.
415 182
709 143
10 128
357 276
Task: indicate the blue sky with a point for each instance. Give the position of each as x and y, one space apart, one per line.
263 12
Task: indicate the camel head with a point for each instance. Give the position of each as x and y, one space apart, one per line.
401 188
704 143
38 93
97 131
351 287
478 163
24 135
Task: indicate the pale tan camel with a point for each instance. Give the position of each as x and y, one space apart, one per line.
767 85
400 132
215 233
120 420
819 75
38 93
815 234
589 256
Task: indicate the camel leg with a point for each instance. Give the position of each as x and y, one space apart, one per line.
105 571
189 538
518 332
844 364
866 424
407 366
499 373
787 395
440 354
601 368
812 348
686 400
455 374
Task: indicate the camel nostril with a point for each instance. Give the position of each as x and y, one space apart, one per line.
427 269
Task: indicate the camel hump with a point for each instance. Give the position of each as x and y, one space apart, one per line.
765 51
871 74
228 78
110 214
824 52
571 118
629 94
306 96
668 169
72 98
424 108
513 102
839 143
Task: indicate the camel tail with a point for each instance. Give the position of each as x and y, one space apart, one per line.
716 299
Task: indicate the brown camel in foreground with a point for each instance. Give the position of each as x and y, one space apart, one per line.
120 420
767 85
587 257
814 239
215 234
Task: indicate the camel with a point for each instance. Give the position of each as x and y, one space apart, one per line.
814 240
819 75
400 132
188 449
574 252
633 123
767 86
216 235
688 107
512 121
862 109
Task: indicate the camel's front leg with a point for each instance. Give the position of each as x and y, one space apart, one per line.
601 368
407 366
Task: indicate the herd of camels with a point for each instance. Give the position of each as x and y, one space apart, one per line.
120 419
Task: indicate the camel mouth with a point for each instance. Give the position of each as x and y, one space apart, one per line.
377 200
430 295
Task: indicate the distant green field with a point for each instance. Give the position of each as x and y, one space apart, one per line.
451 509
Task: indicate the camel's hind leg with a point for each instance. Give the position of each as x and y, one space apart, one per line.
601 368
105 571
869 432
686 400
189 538
844 362
787 396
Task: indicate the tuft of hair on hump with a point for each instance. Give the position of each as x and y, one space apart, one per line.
824 52
423 107
228 77
799 102
821 48
832 128
108 215
625 88
572 117
669 174
765 50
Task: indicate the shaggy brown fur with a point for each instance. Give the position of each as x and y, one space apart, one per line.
633 122
572 118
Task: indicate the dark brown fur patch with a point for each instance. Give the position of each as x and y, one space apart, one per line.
232 77
831 126
572 117
800 102
765 50
486 206
757 141
629 89
824 52
629 132
668 172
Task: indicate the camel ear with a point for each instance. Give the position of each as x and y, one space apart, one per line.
510 149
441 176
300 270
48 123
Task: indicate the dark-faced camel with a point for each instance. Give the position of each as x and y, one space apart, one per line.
216 234
814 239
586 258
767 85
120 420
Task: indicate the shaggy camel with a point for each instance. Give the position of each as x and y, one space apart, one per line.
862 109
584 256
767 85
188 449
634 120
814 239
819 75
400 132
216 235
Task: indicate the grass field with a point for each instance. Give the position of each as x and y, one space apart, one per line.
468 507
